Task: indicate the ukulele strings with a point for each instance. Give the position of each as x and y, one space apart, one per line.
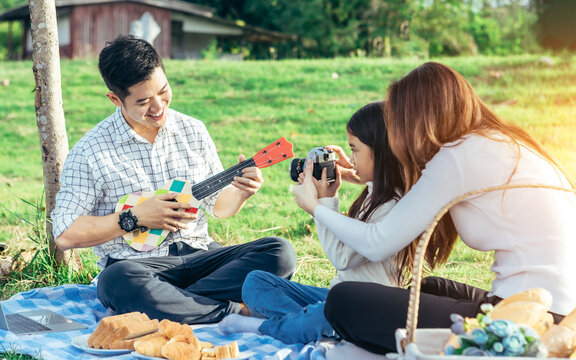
217 182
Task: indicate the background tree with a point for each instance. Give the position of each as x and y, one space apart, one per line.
328 28
443 25
49 111
10 33
556 27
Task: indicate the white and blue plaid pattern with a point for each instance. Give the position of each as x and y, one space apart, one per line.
80 303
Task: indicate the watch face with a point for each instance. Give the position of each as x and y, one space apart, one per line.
128 224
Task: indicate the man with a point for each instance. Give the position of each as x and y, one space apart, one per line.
189 278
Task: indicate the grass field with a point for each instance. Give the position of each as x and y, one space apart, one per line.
249 104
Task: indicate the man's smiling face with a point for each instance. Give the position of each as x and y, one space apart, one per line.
146 106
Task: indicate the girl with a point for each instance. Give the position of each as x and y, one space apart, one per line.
293 312
449 143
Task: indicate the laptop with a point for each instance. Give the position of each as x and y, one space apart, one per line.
36 322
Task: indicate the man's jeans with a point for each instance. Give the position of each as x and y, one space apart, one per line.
189 285
294 312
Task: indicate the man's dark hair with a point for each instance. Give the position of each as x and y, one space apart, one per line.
126 61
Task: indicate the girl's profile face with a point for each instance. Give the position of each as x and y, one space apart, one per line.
362 158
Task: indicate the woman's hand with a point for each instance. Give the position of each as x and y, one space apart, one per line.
346 167
325 188
306 194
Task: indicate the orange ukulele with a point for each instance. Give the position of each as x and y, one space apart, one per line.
144 239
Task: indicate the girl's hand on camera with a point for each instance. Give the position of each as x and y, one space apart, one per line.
347 171
325 188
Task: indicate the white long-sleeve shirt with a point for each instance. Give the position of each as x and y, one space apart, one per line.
531 231
350 265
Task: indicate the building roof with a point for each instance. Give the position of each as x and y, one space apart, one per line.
252 33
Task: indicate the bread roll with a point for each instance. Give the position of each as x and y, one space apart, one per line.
530 313
569 320
151 347
179 332
560 341
544 324
172 328
538 295
175 350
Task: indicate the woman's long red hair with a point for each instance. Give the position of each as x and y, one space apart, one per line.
434 105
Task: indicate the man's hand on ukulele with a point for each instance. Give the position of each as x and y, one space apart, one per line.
159 212
251 180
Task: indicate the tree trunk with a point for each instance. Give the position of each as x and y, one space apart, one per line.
49 112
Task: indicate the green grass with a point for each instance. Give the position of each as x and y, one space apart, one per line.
246 106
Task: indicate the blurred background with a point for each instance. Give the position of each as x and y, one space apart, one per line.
281 29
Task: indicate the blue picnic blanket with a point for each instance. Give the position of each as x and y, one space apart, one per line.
80 303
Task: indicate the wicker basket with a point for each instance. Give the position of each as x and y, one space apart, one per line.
429 343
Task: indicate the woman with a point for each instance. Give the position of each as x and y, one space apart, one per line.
449 143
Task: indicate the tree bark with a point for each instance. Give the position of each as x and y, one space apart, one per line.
49 112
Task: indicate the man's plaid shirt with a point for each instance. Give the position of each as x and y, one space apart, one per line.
111 160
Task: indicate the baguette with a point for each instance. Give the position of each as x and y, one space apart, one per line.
208 354
222 352
228 351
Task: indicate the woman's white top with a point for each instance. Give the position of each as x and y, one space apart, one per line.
531 231
350 264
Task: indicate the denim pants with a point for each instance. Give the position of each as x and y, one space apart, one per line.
294 312
189 285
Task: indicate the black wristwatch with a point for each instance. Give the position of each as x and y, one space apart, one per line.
127 221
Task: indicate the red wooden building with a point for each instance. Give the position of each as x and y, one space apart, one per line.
177 29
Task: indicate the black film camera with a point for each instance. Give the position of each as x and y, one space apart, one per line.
322 158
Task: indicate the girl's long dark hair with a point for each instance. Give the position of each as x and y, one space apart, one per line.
368 125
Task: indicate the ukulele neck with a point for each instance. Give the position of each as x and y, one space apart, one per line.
219 181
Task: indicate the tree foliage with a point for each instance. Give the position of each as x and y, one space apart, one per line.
555 27
327 28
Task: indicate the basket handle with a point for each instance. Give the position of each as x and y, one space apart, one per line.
424 239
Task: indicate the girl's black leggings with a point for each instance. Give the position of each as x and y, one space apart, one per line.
368 314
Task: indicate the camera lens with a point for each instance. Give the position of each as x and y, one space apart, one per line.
296 167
